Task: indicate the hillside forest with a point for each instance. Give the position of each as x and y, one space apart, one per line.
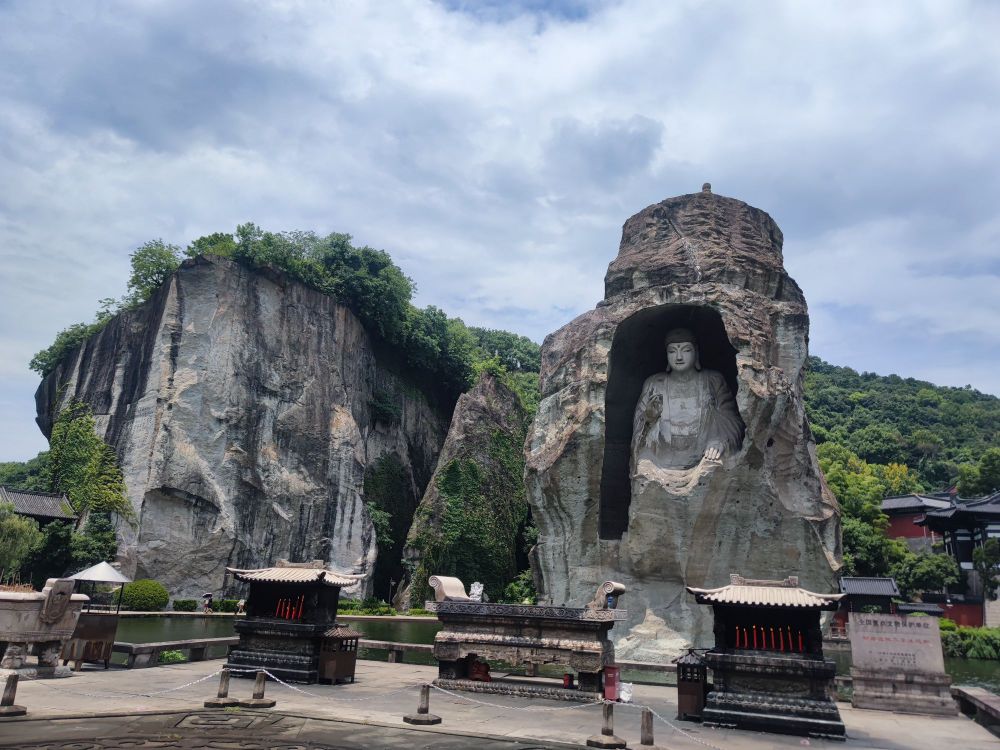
876 435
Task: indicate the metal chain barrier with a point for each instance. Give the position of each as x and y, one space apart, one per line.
681 731
119 693
514 708
324 697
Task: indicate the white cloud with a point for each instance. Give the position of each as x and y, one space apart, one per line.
493 151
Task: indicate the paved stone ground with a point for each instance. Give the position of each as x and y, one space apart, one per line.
246 730
162 708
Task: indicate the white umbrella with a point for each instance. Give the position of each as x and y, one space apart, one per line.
101 573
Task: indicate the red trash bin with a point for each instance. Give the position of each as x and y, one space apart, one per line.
611 683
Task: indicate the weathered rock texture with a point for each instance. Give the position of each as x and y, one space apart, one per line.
241 409
712 264
469 519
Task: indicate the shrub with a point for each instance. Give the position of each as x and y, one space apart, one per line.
226 605
171 656
945 624
145 595
185 605
971 643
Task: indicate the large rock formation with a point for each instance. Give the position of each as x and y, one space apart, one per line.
713 265
469 519
245 409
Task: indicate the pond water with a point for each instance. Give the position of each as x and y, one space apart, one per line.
985 674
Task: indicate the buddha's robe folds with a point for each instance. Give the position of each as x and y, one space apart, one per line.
695 410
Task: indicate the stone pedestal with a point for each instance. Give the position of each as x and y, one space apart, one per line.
903 692
773 692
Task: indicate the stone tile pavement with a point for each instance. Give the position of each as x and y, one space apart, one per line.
163 705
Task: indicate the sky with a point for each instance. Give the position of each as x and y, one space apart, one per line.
495 149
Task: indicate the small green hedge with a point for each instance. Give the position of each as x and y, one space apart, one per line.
971 643
225 605
185 605
171 656
144 595
365 607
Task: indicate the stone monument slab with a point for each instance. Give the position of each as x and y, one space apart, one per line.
898 664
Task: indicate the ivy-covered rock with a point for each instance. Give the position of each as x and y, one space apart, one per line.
472 519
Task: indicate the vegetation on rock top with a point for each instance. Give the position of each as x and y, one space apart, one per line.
439 353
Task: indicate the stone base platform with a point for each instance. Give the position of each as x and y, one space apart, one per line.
520 688
903 692
766 712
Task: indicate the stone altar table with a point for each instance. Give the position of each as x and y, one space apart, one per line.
573 637
44 618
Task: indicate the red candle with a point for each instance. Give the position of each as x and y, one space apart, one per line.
755 636
277 608
781 639
772 639
801 649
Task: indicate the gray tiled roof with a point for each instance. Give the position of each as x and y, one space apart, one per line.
41 504
915 503
869 586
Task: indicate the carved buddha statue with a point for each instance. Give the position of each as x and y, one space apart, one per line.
685 414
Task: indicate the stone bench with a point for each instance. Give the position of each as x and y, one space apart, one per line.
981 704
396 650
148 654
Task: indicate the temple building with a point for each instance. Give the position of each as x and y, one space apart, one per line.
964 525
904 511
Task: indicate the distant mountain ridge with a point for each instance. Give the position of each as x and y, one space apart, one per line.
891 419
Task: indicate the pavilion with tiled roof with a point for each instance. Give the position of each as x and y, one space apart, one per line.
42 506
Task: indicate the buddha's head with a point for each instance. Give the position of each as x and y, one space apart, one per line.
682 350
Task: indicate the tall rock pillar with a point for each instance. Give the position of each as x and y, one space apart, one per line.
605 510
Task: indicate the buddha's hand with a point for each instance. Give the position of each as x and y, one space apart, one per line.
654 408
714 451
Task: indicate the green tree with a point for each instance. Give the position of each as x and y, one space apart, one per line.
83 466
878 443
517 353
968 480
989 471
917 573
986 561
867 550
66 341
52 556
152 264
217 243
25 475
97 543
18 537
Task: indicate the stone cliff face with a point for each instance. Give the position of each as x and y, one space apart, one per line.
241 409
714 265
469 519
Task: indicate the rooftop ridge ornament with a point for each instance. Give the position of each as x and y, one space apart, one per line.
735 579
